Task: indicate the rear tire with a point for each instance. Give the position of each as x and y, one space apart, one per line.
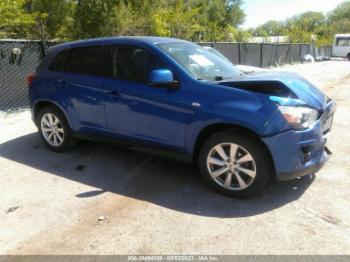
234 164
348 56
54 130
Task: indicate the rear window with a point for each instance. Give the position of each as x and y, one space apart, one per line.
84 60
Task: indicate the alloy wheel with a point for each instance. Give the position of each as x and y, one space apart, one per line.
231 166
52 129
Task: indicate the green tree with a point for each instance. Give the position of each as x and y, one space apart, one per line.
136 17
301 28
270 28
51 18
218 15
181 20
15 20
342 12
92 18
234 15
339 18
210 20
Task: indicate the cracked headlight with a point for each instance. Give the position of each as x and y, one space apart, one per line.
299 117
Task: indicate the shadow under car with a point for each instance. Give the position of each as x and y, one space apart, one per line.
164 182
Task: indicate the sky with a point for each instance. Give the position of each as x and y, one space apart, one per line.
261 11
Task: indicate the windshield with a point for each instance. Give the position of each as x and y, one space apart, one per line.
201 63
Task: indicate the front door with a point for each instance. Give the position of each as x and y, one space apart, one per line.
151 115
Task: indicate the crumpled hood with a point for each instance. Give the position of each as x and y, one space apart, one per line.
296 84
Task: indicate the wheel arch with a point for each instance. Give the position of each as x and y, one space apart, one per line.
46 103
212 129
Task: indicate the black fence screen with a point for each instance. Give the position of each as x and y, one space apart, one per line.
325 51
18 59
282 54
251 54
229 50
304 50
269 52
266 55
294 54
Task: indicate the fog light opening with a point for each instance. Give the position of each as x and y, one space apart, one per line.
306 153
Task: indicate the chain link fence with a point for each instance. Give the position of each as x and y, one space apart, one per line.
19 58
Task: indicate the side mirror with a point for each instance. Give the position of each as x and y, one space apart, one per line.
162 78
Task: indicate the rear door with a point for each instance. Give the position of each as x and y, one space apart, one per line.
80 88
119 100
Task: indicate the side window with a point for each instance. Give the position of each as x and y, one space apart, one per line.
133 63
58 62
343 41
84 60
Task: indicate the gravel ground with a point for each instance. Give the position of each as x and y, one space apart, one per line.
100 199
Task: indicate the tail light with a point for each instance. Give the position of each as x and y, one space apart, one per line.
30 79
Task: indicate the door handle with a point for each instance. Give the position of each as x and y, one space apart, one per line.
113 93
61 82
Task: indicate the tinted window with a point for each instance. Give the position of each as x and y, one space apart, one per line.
58 62
133 63
84 60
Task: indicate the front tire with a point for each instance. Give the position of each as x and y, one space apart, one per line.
234 164
54 130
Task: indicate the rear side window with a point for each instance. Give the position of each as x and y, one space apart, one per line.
58 62
84 60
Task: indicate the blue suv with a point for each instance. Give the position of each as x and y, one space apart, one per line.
174 98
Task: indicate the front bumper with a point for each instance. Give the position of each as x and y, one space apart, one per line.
312 169
299 153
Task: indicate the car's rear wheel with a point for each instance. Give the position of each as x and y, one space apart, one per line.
54 129
235 165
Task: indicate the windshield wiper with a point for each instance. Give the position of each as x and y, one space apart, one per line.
219 78
215 78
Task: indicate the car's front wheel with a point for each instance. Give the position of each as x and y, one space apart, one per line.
54 129
234 164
